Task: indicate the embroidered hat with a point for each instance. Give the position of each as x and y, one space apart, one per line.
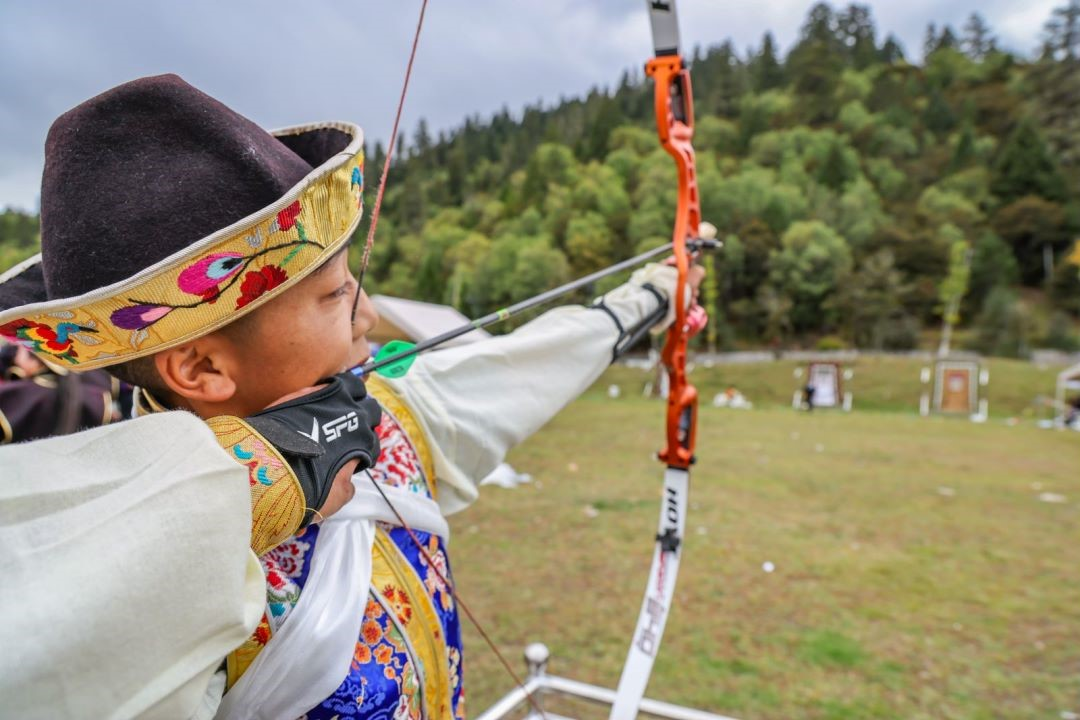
165 215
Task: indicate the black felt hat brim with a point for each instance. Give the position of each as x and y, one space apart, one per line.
139 173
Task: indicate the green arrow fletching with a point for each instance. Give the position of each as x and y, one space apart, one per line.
399 368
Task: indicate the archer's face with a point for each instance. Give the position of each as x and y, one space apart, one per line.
303 335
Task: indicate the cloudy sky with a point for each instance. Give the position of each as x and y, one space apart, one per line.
286 63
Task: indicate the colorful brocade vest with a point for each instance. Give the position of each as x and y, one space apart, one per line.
407 661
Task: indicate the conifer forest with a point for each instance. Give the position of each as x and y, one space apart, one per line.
867 194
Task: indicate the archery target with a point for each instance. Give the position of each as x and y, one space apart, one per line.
825 377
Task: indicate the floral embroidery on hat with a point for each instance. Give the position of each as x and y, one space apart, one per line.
356 182
149 311
39 337
204 277
139 317
256 283
210 276
287 217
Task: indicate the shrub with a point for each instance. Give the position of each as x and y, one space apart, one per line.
1003 327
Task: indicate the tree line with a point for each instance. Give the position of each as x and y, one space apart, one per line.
864 197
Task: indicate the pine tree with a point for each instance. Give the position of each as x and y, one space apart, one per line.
964 154
430 278
1062 31
938 116
1037 230
933 41
815 64
413 201
1024 166
421 141
766 71
727 81
947 40
605 119
855 28
891 51
820 25
833 172
930 40
992 265
373 168
977 42
1003 327
457 174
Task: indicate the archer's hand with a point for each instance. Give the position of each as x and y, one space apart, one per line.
694 277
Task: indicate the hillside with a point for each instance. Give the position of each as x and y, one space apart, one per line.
859 192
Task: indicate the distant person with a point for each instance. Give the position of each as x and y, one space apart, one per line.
808 396
1072 415
37 401
18 363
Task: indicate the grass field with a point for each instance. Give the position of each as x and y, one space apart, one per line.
917 573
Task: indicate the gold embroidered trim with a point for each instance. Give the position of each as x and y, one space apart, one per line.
106 412
146 403
391 572
277 500
5 426
207 285
238 661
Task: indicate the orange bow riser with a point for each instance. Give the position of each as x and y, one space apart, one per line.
674 107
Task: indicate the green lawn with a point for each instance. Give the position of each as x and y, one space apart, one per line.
917 573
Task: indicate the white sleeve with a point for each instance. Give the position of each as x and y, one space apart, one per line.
477 401
127 572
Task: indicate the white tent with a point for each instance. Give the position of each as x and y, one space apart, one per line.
412 320
401 319
1067 380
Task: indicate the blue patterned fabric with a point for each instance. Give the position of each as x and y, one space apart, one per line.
383 680
382 677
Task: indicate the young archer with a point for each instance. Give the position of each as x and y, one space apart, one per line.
202 258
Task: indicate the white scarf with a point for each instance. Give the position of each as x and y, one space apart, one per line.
308 657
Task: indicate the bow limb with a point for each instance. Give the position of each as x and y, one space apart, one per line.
675 127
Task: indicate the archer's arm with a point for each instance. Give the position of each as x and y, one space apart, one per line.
477 401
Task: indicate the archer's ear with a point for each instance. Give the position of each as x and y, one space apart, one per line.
200 371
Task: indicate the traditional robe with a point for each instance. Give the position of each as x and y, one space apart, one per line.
447 424
132 542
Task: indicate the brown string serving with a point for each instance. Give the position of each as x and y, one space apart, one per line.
386 164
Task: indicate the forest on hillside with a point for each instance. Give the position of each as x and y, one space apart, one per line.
863 197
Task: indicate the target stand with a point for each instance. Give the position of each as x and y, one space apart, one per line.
827 379
540 685
955 387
